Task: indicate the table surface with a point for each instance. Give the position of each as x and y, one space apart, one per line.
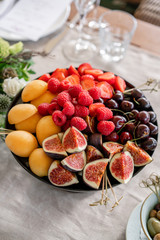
30 209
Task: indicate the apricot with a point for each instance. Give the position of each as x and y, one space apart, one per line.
45 98
45 128
39 162
33 90
21 143
29 124
21 112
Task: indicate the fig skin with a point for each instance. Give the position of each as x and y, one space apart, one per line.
76 156
96 140
108 152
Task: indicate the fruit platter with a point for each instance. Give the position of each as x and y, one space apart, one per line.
69 127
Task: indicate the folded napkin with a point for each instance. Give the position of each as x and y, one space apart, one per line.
31 18
5 6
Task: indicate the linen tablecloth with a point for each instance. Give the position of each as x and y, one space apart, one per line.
31 209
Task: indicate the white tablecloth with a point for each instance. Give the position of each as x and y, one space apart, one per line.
30 209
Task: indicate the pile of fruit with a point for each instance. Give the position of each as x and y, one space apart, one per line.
75 122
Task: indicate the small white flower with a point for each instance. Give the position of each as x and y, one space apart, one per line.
11 86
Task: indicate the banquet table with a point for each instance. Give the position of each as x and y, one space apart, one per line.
33 210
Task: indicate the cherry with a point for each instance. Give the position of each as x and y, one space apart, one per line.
113 137
100 100
127 106
133 114
153 116
137 93
125 136
143 117
118 96
142 131
118 122
149 144
112 104
153 129
130 127
143 103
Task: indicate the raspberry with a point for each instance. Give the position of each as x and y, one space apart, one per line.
65 85
81 111
63 97
68 109
52 107
43 109
59 118
85 99
54 100
75 90
105 127
79 123
53 85
95 92
104 113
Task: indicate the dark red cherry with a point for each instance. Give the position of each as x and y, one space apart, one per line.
125 136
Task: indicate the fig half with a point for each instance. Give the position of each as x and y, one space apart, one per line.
73 140
122 166
111 148
59 176
140 156
92 154
93 172
75 162
53 147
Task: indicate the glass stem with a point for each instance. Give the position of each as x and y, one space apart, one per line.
97 3
81 24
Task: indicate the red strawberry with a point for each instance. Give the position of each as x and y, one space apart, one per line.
93 108
63 70
73 79
119 84
72 70
59 75
108 77
87 82
106 90
94 72
83 67
45 77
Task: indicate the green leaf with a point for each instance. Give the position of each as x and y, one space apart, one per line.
31 71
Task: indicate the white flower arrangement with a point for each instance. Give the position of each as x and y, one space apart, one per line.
11 86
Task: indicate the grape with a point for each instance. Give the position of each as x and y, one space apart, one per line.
137 93
127 106
149 144
124 137
153 116
143 117
118 96
142 131
112 104
143 103
153 129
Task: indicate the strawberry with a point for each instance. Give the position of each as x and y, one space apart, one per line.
73 79
72 70
106 90
109 77
45 77
93 108
94 72
59 75
63 70
119 84
87 82
83 67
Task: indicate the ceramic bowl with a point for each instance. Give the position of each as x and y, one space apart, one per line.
146 207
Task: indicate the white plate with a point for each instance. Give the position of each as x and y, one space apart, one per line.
134 230
53 29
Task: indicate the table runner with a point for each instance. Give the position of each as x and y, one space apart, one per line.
31 209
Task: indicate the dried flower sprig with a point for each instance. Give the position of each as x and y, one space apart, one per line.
104 194
153 183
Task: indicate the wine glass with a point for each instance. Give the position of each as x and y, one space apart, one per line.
79 49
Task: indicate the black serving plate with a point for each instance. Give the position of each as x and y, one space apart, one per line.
81 186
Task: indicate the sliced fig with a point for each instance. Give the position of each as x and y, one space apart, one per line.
75 162
95 140
73 140
60 135
92 154
122 166
90 124
111 148
59 176
53 147
93 172
140 156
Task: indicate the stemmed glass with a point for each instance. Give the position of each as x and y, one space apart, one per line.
80 49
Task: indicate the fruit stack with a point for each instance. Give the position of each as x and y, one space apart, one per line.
72 123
